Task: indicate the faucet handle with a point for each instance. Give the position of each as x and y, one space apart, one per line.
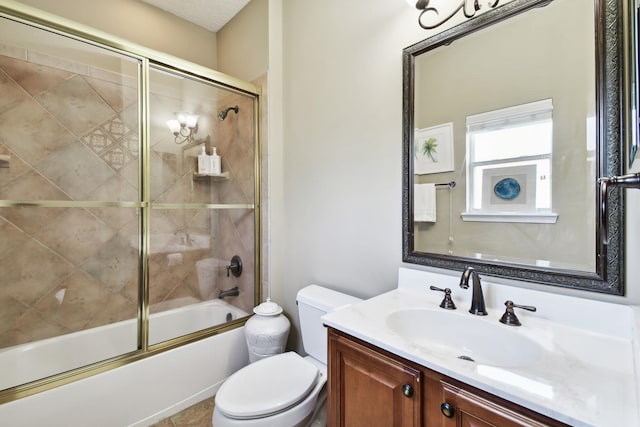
509 317
447 302
235 266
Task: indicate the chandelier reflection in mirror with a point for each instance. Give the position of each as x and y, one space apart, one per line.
184 127
434 18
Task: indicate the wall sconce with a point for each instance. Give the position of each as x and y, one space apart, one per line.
184 127
468 7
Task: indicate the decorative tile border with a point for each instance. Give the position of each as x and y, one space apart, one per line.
114 142
66 64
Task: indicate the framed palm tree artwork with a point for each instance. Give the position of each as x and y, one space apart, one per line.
433 149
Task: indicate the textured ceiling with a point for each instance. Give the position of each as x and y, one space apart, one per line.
210 14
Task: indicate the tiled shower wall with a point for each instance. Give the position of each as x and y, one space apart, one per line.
71 134
69 137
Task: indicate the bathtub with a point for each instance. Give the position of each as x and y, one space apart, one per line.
137 394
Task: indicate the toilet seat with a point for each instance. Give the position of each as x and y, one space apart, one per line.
267 387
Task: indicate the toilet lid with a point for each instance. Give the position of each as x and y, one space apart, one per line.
267 386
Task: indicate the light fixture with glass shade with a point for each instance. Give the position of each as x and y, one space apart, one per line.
184 127
437 18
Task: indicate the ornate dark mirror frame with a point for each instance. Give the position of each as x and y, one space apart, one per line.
610 93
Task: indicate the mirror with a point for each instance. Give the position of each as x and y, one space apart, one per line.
509 119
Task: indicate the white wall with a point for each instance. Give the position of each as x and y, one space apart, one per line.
341 165
341 223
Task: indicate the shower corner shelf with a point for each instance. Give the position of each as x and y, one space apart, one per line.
224 176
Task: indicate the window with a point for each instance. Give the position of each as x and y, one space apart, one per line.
509 172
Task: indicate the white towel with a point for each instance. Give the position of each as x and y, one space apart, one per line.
424 203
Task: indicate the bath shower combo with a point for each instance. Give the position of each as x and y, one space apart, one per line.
146 271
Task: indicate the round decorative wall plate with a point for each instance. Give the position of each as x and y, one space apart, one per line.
507 189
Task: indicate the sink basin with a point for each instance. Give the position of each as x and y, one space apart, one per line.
462 335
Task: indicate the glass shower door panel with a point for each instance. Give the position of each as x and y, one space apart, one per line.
190 287
69 203
199 219
68 290
173 159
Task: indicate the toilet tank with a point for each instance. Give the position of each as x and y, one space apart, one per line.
314 302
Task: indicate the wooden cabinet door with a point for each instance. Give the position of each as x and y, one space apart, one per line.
471 410
368 389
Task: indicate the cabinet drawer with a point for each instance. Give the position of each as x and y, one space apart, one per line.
467 409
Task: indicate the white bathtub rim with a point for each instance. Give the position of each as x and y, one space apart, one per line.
139 393
116 339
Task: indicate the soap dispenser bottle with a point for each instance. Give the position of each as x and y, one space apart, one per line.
216 164
203 162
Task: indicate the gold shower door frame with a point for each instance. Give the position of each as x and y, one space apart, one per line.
148 59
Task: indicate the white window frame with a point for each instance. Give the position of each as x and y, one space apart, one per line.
493 120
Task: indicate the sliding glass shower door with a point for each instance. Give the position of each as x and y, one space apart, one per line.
200 219
113 244
69 143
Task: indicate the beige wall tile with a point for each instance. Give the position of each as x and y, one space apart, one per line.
11 238
115 308
76 171
115 265
11 92
31 270
76 235
12 309
31 132
34 78
115 94
76 105
31 219
74 302
16 166
33 326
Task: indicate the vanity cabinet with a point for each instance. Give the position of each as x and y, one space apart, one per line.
368 388
371 387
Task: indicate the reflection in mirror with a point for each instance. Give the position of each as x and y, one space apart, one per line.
539 137
510 113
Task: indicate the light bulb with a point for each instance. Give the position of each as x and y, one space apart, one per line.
191 121
174 126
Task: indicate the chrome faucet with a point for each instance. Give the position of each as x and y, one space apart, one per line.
477 298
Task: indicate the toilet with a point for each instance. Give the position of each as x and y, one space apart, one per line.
285 389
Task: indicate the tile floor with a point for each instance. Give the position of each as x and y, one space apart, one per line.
198 415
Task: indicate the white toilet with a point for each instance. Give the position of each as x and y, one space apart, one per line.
285 390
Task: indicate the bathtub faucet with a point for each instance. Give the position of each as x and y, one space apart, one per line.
233 292
184 237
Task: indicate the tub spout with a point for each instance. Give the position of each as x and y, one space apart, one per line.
233 292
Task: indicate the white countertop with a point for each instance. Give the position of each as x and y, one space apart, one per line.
586 377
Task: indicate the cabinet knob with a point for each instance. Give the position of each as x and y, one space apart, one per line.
447 410
407 390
